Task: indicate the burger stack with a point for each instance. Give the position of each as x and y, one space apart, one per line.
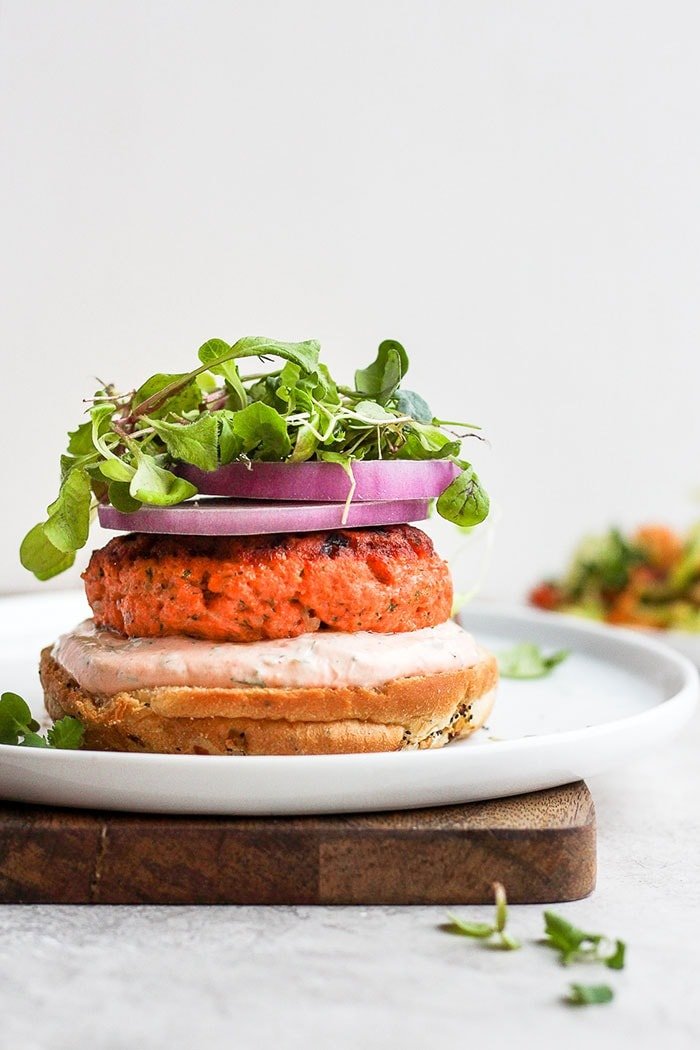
282 612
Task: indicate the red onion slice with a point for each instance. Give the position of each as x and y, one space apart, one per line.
217 517
377 479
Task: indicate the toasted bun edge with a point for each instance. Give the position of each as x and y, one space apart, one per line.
406 713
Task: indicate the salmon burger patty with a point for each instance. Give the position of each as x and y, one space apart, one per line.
248 588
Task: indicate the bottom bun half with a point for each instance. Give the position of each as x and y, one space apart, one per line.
406 713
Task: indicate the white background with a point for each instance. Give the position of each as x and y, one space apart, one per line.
510 188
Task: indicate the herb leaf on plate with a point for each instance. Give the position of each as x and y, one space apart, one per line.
18 727
67 733
15 719
526 660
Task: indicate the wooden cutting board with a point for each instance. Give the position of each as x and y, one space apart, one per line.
541 846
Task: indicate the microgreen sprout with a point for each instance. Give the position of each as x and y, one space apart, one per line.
576 945
589 994
127 451
17 726
494 934
527 660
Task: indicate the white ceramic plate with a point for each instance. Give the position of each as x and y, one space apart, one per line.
618 694
685 642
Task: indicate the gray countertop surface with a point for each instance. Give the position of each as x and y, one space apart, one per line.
155 977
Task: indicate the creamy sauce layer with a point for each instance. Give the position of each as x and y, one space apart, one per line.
105 663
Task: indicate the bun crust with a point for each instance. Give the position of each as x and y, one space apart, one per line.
406 713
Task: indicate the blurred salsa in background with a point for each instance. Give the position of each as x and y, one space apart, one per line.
650 578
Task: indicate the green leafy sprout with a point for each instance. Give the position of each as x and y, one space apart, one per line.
574 945
18 727
494 934
527 660
128 449
589 994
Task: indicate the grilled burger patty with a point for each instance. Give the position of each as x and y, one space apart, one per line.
248 588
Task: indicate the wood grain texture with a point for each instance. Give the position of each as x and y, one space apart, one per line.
541 846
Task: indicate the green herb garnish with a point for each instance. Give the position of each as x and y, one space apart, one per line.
18 727
495 933
125 452
586 994
573 945
527 660
576 945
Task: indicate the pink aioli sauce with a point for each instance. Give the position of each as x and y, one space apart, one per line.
105 663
